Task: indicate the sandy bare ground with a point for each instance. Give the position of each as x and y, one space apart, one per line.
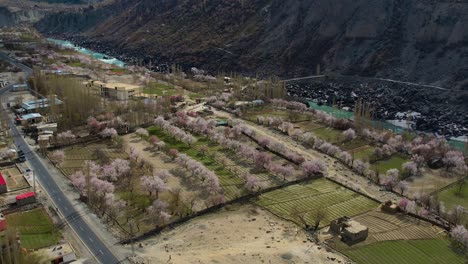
428 182
336 170
242 234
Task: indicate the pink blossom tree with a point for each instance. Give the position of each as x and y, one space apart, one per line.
349 134
134 154
459 234
79 181
252 183
163 174
345 157
141 132
455 162
264 142
402 204
153 184
57 157
361 167
284 171
66 137
409 169
391 179
108 133
402 186
94 126
173 153
313 168
261 159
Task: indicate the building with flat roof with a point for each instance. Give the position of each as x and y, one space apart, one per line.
34 105
31 118
350 230
26 198
117 91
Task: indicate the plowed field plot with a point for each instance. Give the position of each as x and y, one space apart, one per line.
429 251
35 228
383 226
14 178
305 199
77 155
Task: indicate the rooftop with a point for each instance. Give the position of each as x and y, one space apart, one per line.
39 103
355 227
25 195
31 116
2 180
118 86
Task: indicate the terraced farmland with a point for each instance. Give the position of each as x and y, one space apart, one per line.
383 227
429 251
307 198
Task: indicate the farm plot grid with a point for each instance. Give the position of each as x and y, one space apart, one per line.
428 251
14 178
383 226
305 199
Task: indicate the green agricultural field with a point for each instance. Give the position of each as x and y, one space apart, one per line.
329 134
232 184
35 227
252 113
431 251
160 89
455 196
363 153
395 162
305 199
353 144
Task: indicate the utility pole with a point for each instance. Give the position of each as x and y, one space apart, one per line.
34 182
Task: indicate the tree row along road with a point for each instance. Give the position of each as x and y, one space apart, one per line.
100 251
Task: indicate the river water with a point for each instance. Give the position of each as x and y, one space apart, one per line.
96 55
396 126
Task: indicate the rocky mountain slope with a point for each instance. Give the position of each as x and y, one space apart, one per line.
416 40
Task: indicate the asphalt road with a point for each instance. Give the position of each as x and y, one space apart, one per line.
70 214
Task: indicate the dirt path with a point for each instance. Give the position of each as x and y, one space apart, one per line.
244 234
336 170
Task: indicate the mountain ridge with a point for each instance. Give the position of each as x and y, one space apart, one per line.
414 40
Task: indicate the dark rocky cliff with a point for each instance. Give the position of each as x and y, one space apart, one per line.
416 40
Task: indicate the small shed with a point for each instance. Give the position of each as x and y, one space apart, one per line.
389 207
350 230
3 185
25 198
354 232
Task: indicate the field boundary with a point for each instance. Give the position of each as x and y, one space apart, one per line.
243 199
